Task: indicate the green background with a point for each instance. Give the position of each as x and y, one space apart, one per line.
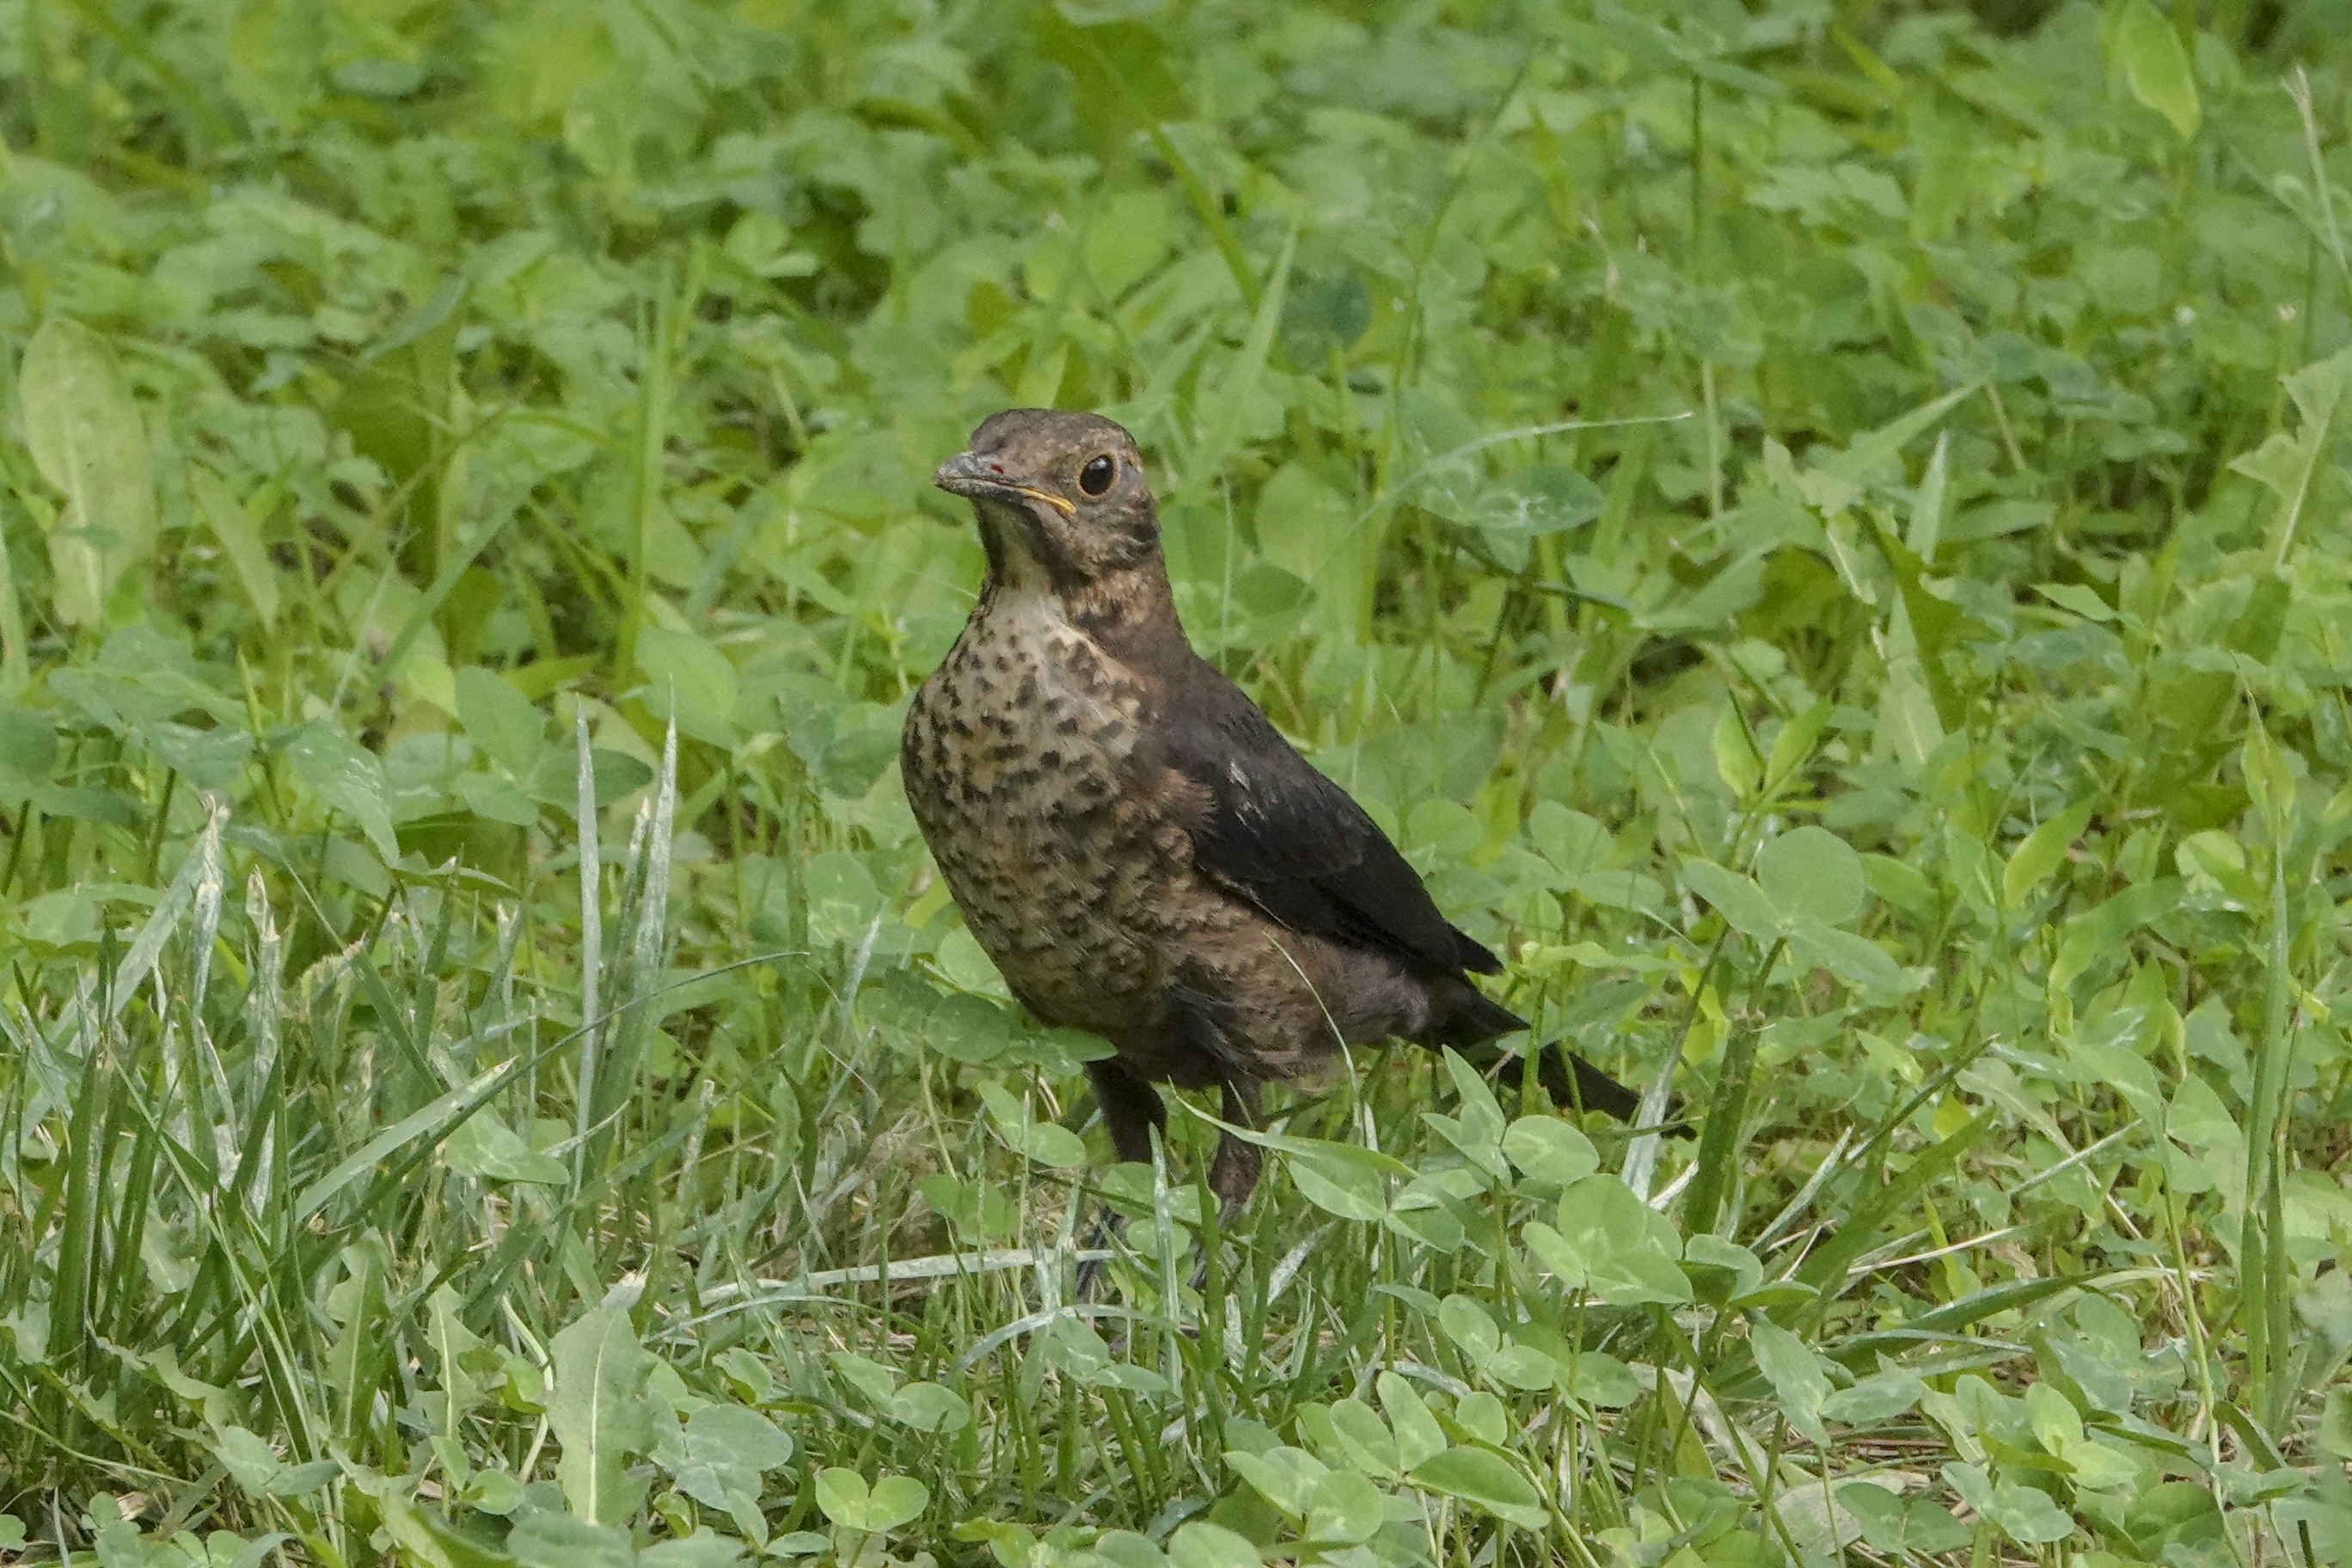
1820 527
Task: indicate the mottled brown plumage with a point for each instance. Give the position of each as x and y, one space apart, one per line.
1131 840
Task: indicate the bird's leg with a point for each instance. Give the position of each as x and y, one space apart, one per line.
1233 1174
1131 1111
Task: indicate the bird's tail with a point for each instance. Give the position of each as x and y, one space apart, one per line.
1570 1079
1474 1020
1467 1017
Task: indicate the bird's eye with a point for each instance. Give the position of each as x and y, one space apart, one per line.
1097 476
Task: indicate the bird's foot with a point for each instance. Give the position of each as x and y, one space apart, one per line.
1233 1174
1099 1239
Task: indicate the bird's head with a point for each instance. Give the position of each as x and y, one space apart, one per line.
1062 498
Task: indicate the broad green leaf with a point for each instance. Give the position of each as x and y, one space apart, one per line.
1521 1366
1864 456
1480 1414
1357 1438
2286 465
545 1538
28 750
600 1413
2156 66
1721 1269
1287 1478
1570 839
2075 596
1857 961
1339 1187
2058 1427
84 430
1795 743
2024 1513
241 539
2041 851
453 1345
1072 1345
690 680
1484 1480
1055 1146
1738 900
1606 1243
1313 532
1044 1141
1892 1525
703 1549
723 1451
2122 1069
208 758
930 1407
359 1305
871 1378
1735 762
1600 1379
1201 1544
1811 874
2335 1422
2220 856
1344 1506
841 899
1418 1435
501 720
1549 1150
346 778
1476 1134
1874 1400
2103 928
1344 1179
845 1497
251 1463
1480 1120
1794 1370
1469 1326
486 1148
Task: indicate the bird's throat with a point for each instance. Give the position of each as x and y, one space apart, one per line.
1022 552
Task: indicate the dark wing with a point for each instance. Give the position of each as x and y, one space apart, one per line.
1281 835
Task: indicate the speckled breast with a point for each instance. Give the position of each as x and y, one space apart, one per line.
1015 759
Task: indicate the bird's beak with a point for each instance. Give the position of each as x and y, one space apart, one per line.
970 474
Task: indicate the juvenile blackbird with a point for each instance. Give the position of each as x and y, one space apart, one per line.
1134 845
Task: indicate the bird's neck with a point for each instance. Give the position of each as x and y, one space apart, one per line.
1131 613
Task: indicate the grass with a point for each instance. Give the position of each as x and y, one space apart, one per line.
1819 528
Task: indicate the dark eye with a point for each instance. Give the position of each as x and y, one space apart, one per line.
1097 476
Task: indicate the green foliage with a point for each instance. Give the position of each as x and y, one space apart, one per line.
1821 533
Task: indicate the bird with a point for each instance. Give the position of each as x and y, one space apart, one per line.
1137 847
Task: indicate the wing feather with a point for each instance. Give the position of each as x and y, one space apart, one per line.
1284 836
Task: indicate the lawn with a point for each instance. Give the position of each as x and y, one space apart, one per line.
1821 527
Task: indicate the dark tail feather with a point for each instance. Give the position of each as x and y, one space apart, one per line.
1469 1017
1570 1079
1472 1019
